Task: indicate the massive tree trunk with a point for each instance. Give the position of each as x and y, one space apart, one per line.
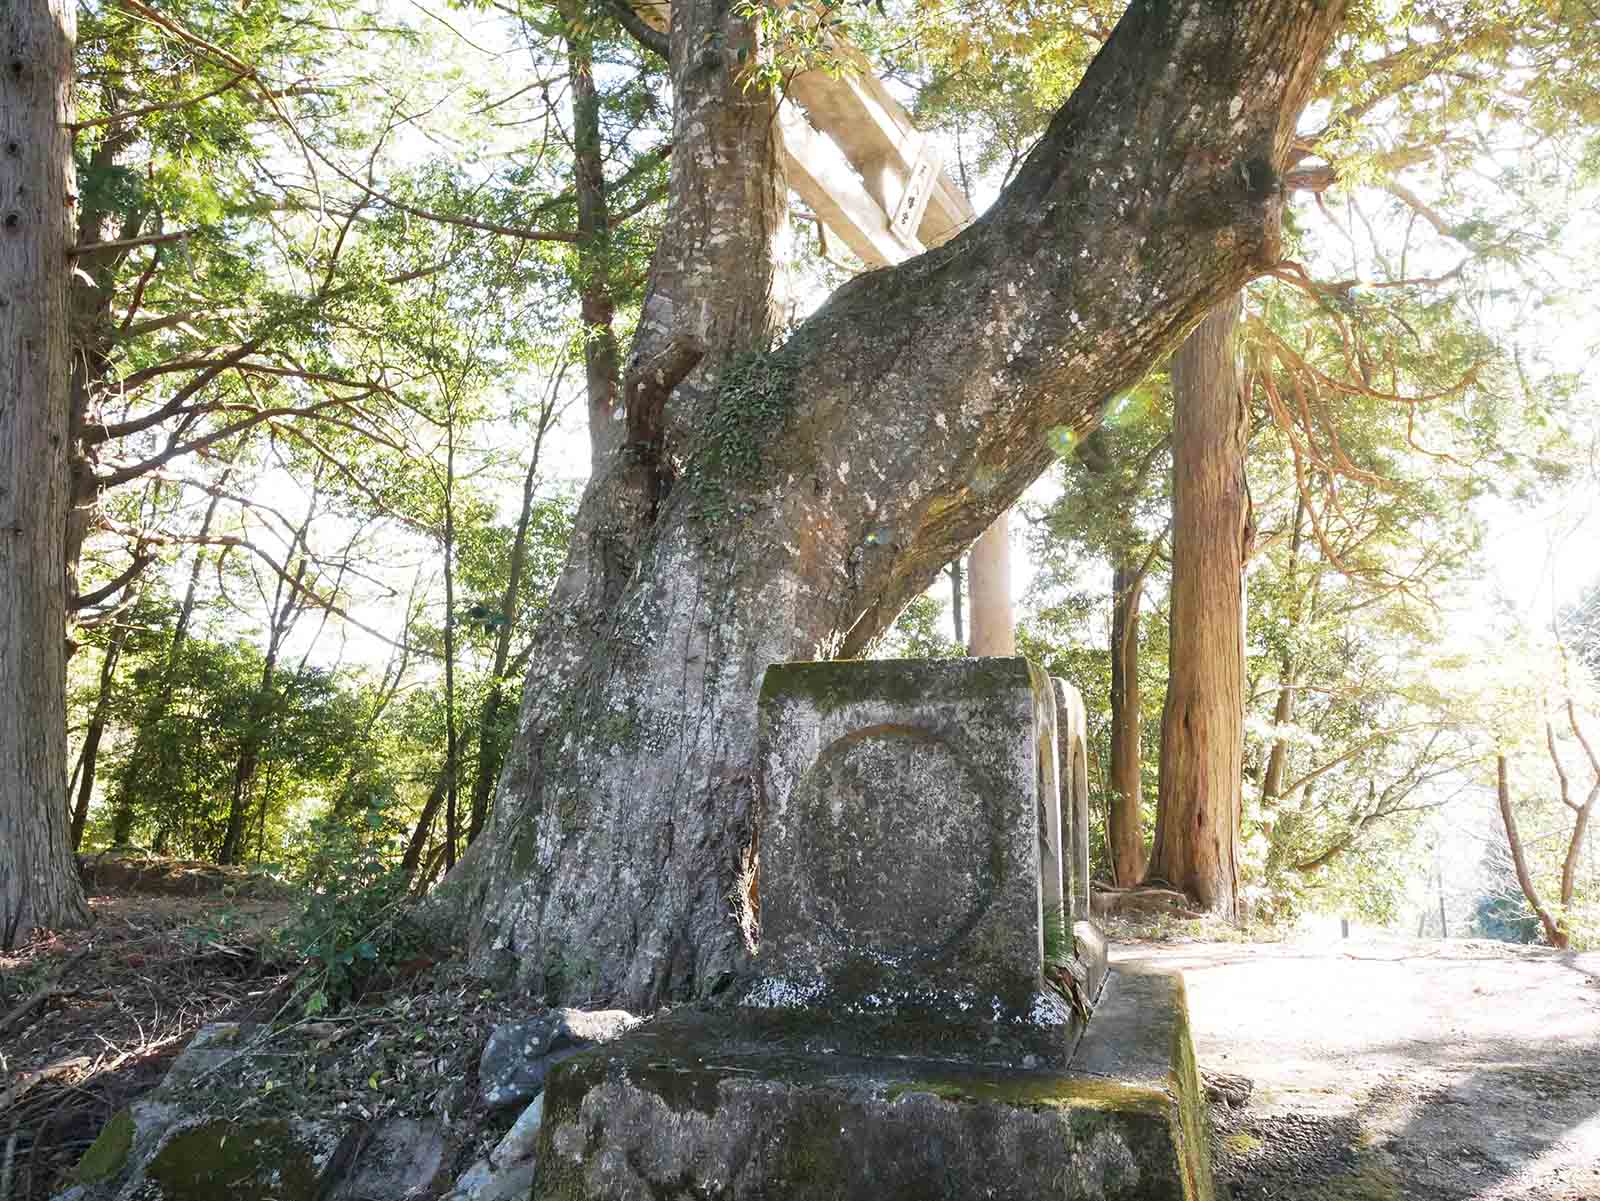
38 879
1124 825
1196 845
788 506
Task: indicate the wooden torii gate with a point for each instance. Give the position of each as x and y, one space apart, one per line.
879 185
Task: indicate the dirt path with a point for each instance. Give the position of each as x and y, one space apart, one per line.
1392 1068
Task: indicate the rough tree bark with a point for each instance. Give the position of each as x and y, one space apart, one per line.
38 878
1196 846
788 506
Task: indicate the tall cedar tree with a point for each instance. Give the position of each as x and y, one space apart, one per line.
1196 846
38 880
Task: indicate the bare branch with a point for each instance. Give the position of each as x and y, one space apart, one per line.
653 40
130 243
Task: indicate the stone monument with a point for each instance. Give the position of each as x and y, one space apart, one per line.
919 1020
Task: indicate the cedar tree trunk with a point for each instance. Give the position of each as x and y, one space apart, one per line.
38 879
1124 827
1202 726
787 506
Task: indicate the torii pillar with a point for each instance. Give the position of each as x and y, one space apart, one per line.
989 591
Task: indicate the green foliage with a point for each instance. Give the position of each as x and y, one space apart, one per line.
1579 628
919 632
1506 918
354 925
753 398
196 713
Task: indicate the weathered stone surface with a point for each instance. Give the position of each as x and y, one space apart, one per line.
517 1056
521 1140
1089 948
210 1048
169 1146
1140 1035
483 1183
207 1159
400 1159
1072 769
116 1163
900 837
579 1027
695 1104
125 1141
512 1067
473 1181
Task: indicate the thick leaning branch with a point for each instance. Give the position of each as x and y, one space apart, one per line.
1154 194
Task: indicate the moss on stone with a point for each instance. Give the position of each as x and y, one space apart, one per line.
1242 1143
831 685
1193 1130
250 1161
108 1153
1090 1093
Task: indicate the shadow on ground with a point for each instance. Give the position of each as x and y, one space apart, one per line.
1423 1073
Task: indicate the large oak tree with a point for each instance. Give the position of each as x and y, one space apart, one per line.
770 504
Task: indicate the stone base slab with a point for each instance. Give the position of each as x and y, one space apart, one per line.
698 1104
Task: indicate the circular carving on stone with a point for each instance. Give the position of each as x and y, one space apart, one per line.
898 843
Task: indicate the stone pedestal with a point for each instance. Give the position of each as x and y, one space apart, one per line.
697 1105
915 1019
902 830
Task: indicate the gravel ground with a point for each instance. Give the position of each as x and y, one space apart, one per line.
1393 1068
